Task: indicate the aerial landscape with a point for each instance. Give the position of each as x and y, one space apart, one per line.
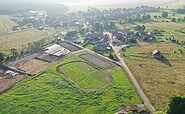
92 57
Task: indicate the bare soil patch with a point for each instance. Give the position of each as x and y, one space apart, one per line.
33 66
69 46
100 62
7 82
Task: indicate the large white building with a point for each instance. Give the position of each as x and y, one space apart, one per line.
56 50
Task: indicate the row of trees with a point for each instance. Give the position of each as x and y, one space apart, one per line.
137 18
103 26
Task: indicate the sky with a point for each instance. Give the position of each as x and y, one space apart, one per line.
88 2
109 2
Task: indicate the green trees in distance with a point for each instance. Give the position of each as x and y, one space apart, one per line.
2 56
71 34
140 28
14 51
176 105
181 10
103 26
164 14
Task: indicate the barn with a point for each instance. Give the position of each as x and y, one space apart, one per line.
156 53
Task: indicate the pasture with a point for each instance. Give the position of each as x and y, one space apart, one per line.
49 92
159 78
17 39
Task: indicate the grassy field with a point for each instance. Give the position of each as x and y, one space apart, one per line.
6 24
85 75
17 39
48 92
159 78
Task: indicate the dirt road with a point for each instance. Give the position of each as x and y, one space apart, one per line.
134 81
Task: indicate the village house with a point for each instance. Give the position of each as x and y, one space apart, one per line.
93 36
157 54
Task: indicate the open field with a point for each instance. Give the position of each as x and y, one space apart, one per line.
159 78
17 39
48 92
6 24
85 75
103 64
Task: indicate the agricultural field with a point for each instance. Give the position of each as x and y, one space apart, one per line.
17 39
6 24
156 76
49 92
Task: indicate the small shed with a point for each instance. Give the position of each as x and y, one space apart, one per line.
156 53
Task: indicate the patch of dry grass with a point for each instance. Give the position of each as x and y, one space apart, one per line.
17 39
159 79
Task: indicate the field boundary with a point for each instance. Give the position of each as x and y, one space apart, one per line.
75 84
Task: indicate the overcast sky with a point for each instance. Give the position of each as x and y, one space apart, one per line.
89 2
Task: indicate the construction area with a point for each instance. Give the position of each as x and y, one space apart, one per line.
33 63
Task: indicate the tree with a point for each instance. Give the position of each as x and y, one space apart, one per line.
176 105
139 28
111 56
173 20
155 16
2 56
164 14
71 34
179 19
97 26
14 51
143 28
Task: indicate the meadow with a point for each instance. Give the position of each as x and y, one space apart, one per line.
159 78
17 39
48 92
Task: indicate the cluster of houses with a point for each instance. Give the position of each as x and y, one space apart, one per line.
117 37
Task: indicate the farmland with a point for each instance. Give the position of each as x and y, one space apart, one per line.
17 39
156 76
48 92
6 24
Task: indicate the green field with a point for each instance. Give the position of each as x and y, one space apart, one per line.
17 39
85 75
48 92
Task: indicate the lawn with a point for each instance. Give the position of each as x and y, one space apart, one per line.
159 78
17 39
48 92
85 75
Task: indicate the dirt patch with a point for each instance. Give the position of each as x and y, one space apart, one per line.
7 82
33 66
100 62
69 46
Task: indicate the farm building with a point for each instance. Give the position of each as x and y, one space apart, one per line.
56 50
156 53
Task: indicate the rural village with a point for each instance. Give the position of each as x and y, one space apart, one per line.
135 54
